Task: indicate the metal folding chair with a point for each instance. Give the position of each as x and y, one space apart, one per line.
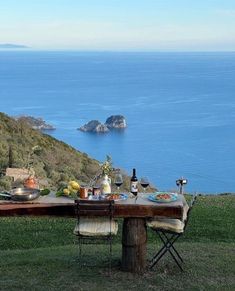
168 233
92 211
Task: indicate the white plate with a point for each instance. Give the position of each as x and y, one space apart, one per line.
153 197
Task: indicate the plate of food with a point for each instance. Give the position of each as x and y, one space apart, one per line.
116 196
163 197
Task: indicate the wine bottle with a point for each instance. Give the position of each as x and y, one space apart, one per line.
134 183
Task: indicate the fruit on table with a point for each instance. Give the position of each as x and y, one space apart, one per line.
74 185
71 189
66 191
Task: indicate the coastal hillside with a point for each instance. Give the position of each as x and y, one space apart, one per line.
53 161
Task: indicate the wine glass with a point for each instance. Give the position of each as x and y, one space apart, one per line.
144 183
118 180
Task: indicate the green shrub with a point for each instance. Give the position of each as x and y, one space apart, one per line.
5 183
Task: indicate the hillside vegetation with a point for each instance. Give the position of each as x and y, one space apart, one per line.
55 162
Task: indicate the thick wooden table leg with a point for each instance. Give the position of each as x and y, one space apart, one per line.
134 239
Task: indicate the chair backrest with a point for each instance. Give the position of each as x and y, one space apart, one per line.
191 204
95 208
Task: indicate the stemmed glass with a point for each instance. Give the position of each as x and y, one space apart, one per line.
144 183
118 180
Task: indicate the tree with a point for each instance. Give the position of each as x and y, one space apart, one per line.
10 157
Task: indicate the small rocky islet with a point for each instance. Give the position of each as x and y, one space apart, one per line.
112 122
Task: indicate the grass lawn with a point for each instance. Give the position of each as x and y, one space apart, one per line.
40 254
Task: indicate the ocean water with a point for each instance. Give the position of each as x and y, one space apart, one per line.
180 109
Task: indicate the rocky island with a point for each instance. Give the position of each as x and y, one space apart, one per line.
35 123
94 126
112 122
116 121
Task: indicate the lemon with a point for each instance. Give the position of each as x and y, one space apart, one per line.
75 185
70 187
72 190
66 191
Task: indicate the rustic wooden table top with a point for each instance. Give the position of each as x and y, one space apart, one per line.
62 206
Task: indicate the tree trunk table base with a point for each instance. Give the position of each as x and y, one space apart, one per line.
134 240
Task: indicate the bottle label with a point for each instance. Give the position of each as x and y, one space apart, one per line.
134 187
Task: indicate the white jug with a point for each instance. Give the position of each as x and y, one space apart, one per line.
106 185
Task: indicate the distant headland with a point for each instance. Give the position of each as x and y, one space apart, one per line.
12 46
34 122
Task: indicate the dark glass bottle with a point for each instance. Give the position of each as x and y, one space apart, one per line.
134 183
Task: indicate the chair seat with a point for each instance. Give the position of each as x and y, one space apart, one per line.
97 226
185 210
174 225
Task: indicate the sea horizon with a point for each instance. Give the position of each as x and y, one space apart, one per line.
126 51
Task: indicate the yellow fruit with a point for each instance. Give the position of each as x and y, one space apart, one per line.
66 191
72 190
75 185
70 187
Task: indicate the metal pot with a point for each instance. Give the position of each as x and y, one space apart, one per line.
22 194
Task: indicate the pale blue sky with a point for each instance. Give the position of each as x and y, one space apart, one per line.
119 25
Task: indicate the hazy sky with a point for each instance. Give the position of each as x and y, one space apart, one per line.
119 24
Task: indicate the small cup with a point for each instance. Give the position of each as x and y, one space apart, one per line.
83 193
96 191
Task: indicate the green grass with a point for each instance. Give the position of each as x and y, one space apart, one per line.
40 254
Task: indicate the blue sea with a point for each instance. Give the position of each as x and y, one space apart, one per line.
180 109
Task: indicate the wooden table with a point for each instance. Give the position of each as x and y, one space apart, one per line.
134 237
